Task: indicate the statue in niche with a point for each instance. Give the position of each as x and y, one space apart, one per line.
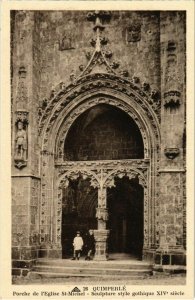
21 142
66 43
133 33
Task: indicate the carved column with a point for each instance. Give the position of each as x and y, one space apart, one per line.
101 234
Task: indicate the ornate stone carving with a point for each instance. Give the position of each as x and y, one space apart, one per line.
92 81
104 164
108 53
124 73
21 139
136 80
88 55
111 101
114 64
22 92
65 175
133 32
171 153
101 237
155 95
66 42
19 238
171 47
101 14
102 214
146 86
22 72
103 40
129 172
172 99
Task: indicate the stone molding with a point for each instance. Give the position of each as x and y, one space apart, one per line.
102 173
80 108
62 96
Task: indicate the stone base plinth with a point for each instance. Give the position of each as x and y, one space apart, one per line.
50 252
23 259
101 237
170 259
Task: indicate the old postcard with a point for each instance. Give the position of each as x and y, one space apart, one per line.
97 166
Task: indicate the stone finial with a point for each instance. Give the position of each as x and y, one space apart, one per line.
101 14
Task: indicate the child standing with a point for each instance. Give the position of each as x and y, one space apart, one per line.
78 245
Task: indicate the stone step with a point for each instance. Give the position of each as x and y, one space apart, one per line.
38 274
78 270
93 264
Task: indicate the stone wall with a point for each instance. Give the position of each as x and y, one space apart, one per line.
172 165
25 223
57 63
104 133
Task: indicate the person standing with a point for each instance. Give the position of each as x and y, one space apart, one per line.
90 244
78 246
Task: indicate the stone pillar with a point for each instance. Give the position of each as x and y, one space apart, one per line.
101 237
172 159
101 234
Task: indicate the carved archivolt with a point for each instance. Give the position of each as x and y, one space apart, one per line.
90 83
146 136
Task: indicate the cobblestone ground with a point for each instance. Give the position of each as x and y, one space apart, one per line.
179 279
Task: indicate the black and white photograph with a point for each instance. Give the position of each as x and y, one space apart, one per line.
98 149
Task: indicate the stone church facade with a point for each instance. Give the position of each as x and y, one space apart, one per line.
98 134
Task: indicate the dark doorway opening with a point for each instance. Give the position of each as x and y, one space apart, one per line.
125 205
79 204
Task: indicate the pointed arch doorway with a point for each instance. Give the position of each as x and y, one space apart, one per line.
105 133
125 207
79 202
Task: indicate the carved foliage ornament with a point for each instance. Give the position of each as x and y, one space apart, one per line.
93 81
74 175
22 92
102 213
125 172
